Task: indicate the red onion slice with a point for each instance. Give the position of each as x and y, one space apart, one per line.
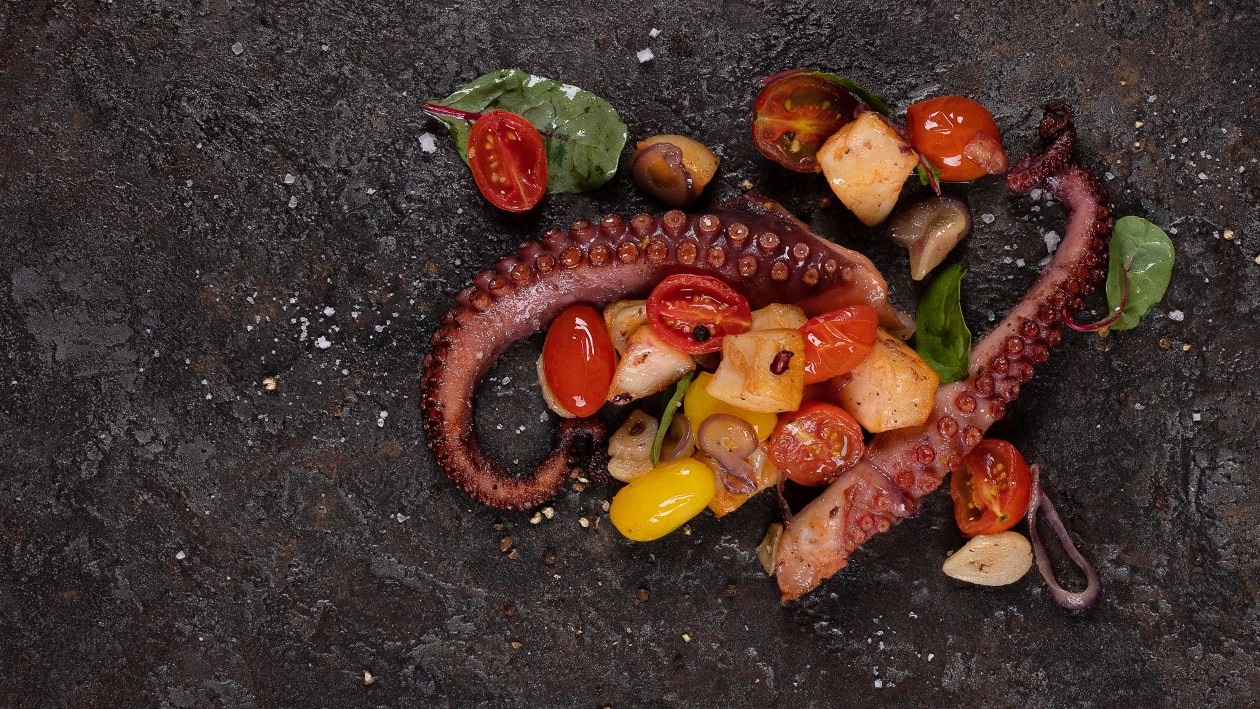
1071 600
729 440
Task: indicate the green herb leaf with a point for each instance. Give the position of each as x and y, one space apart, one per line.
871 99
1142 253
667 416
583 134
941 336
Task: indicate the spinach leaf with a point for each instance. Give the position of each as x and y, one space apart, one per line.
667 416
583 134
1143 254
873 100
942 337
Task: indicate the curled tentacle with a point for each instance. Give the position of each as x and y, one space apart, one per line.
818 541
750 242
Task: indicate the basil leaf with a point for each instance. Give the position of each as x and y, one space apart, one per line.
941 336
1142 253
583 134
873 100
667 416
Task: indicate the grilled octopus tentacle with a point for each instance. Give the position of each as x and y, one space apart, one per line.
750 242
902 466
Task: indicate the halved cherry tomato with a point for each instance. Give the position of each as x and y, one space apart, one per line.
693 313
992 490
579 360
836 342
816 443
508 160
958 136
795 114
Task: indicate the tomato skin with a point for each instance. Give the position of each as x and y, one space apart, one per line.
508 160
992 490
816 443
941 130
795 114
838 341
683 302
579 360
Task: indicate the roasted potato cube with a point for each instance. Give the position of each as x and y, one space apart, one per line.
892 388
761 370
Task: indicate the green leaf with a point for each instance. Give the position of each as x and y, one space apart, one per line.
583 134
1142 253
868 97
941 336
667 416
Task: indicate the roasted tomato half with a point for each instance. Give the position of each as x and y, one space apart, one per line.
508 160
816 443
693 313
579 360
837 341
992 490
958 136
796 113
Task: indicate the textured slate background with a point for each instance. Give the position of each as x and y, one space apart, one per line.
172 534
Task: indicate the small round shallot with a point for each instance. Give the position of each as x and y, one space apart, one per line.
673 168
729 440
929 229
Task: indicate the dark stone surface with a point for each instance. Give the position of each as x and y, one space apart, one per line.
173 534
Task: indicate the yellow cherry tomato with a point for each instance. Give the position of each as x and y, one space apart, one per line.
698 406
662 500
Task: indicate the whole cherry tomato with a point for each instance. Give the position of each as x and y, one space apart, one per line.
958 136
816 443
992 491
579 360
795 114
836 342
693 313
508 160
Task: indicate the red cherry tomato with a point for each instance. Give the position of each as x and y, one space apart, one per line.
958 136
579 360
795 114
836 342
992 491
508 160
816 443
693 313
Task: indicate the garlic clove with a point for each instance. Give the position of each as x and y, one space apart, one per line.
991 559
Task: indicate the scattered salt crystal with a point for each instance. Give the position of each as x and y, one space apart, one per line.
1139 406
329 311
180 555
1052 241
1203 176
930 656
654 33
1196 417
1007 259
1150 99
428 143
371 190
644 55
323 343
188 182
1035 194
401 517
293 201
879 684
570 91
1019 262
289 179
1176 315
987 218
238 49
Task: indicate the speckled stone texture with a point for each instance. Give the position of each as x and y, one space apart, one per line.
172 533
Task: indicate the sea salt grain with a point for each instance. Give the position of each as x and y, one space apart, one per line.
1196 417
654 33
644 55
180 555
1176 315
323 343
427 143
238 49
293 202
289 179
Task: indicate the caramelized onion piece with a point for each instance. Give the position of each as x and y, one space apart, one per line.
729 440
672 168
1071 600
680 435
929 229
633 441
